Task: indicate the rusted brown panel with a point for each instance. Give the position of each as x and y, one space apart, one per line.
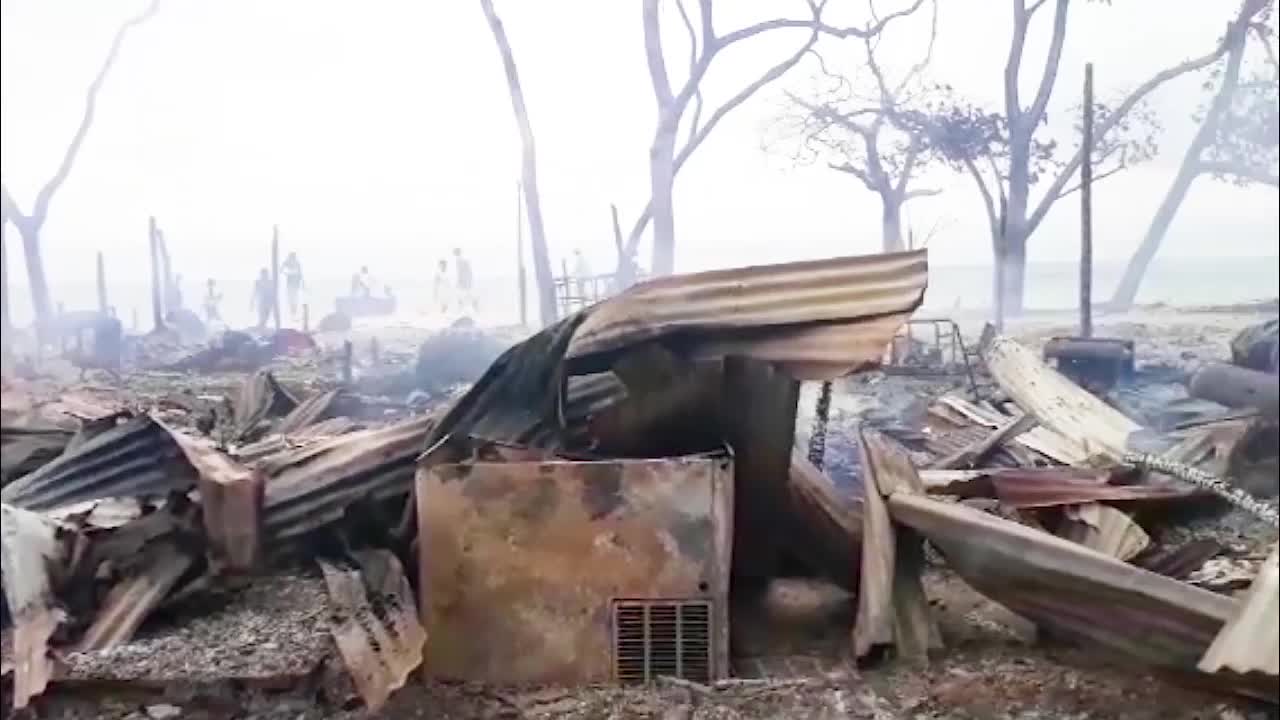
520 561
136 457
135 597
782 297
758 407
230 501
374 623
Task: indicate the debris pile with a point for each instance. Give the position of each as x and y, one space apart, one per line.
607 480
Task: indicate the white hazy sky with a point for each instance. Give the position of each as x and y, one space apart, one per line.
381 132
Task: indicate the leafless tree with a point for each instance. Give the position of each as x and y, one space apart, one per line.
683 105
857 128
529 169
1008 153
1238 139
30 225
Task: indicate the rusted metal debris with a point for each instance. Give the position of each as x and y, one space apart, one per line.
261 397
1250 640
137 457
35 551
531 555
374 621
24 450
313 486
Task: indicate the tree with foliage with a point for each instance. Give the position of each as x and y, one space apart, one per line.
682 105
856 126
30 224
1237 141
1015 160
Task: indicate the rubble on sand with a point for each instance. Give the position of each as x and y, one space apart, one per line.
272 535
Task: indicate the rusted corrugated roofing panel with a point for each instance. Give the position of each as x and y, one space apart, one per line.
374 623
313 485
1250 641
790 295
137 457
815 319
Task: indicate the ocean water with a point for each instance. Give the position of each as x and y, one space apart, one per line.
1049 286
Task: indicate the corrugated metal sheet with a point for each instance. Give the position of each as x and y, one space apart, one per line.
806 301
374 623
815 319
1078 592
1250 641
137 457
313 485
1090 424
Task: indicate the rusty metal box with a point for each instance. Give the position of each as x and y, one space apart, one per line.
576 572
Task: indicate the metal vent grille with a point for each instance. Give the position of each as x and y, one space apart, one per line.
653 638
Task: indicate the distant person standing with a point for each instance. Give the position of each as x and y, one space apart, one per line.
362 283
582 271
440 287
212 299
466 283
262 299
292 270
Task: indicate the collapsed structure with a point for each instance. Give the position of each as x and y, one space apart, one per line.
584 512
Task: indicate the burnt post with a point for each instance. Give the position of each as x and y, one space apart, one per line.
275 274
102 285
346 362
1086 210
157 312
520 270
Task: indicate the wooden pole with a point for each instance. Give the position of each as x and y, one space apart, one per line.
102 285
157 311
346 362
523 284
1086 210
275 274
166 272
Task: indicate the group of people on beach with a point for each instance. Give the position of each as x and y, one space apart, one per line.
453 289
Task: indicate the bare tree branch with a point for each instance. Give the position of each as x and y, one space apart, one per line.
919 193
1114 118
1013 63
528 167
988 201
1050 76
1034 7
1096 178
40 210
857 172
653 53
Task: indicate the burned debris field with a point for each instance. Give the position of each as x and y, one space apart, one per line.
661 506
